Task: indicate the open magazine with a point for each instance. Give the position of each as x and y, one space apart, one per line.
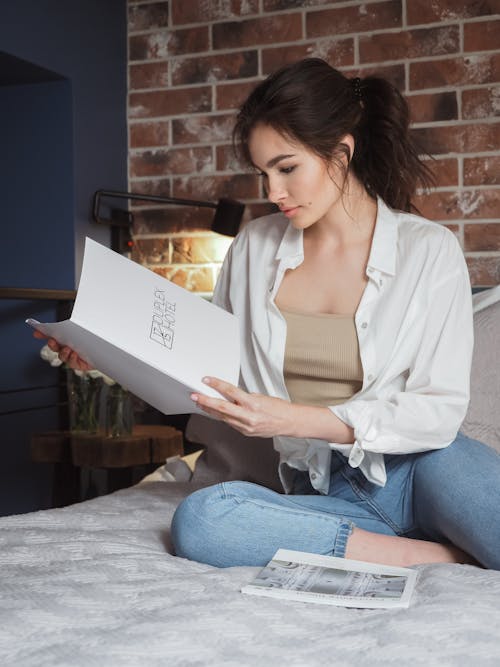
306 577
153 337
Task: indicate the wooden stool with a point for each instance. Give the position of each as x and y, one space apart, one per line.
69 452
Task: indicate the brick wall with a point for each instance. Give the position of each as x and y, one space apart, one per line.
191 62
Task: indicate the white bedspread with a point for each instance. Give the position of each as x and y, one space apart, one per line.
94 584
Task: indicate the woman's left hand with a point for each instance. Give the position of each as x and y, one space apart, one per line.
251 414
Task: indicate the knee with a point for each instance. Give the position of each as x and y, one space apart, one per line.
191 523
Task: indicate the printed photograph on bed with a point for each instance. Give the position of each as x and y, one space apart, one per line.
295 575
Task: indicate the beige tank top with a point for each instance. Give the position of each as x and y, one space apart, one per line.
322 362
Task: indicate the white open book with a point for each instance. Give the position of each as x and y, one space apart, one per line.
307 577
153 337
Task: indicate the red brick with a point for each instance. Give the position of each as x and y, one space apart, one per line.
455 229
226 160
409 44
239 186
283 5
171 102
148 75
172 219
468 204
423 11
481 102
194 279
445 171
168 43
476 137
263 30
203 129
484 271
481 237
147 17
473 69
354 19
482 171
232 95
209 69
151 251
194 11
433 107
148 134
174 161
199 249
337 52
160 187
481 36
393 73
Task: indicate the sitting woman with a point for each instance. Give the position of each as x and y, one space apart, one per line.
356 332
357 340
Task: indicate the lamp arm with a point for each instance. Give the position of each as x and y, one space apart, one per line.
142 197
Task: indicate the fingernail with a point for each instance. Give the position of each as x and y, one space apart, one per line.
207 380
194 397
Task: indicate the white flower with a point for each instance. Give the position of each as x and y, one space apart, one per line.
49 355
53 358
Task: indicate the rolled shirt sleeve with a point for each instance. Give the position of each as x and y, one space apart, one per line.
427 413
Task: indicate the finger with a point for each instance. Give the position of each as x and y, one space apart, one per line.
54 345
38 334
228 390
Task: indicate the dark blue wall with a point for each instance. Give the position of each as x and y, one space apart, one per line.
62 135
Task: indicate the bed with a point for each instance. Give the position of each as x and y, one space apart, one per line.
96 583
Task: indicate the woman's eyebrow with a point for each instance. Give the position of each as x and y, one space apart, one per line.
277 159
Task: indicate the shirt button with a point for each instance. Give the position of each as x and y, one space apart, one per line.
370 377
313 475
364 325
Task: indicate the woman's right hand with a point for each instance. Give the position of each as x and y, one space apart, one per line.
66 354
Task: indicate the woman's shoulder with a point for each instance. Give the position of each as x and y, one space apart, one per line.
418 231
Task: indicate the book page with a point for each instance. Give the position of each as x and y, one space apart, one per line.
150 335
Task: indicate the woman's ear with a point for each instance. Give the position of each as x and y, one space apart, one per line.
348 141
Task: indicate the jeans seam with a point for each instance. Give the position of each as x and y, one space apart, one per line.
374 505
344 527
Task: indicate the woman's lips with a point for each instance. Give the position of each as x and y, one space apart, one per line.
289 212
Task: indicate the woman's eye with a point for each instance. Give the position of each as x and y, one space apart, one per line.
286 170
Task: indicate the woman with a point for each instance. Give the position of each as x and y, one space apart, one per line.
357 342
356 345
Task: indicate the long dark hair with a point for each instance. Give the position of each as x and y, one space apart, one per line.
311 102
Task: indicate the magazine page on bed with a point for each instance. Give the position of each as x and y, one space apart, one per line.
305 577
153 337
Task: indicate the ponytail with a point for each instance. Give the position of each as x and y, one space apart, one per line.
313 103
386 160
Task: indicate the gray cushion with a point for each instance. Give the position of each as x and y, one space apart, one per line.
482 421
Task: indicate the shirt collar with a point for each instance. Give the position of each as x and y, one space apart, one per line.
384 243
385 238
292 243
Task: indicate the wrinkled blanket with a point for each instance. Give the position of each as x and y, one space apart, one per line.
95 584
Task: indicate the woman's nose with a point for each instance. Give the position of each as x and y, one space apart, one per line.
275 191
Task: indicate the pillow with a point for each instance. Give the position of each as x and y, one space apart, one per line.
482 421
231 455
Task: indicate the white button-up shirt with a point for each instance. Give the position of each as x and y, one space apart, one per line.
414 327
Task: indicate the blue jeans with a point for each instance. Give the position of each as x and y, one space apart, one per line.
446 495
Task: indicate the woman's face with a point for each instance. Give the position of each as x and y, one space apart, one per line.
296 179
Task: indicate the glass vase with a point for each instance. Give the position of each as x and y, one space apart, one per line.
119 412
85 395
